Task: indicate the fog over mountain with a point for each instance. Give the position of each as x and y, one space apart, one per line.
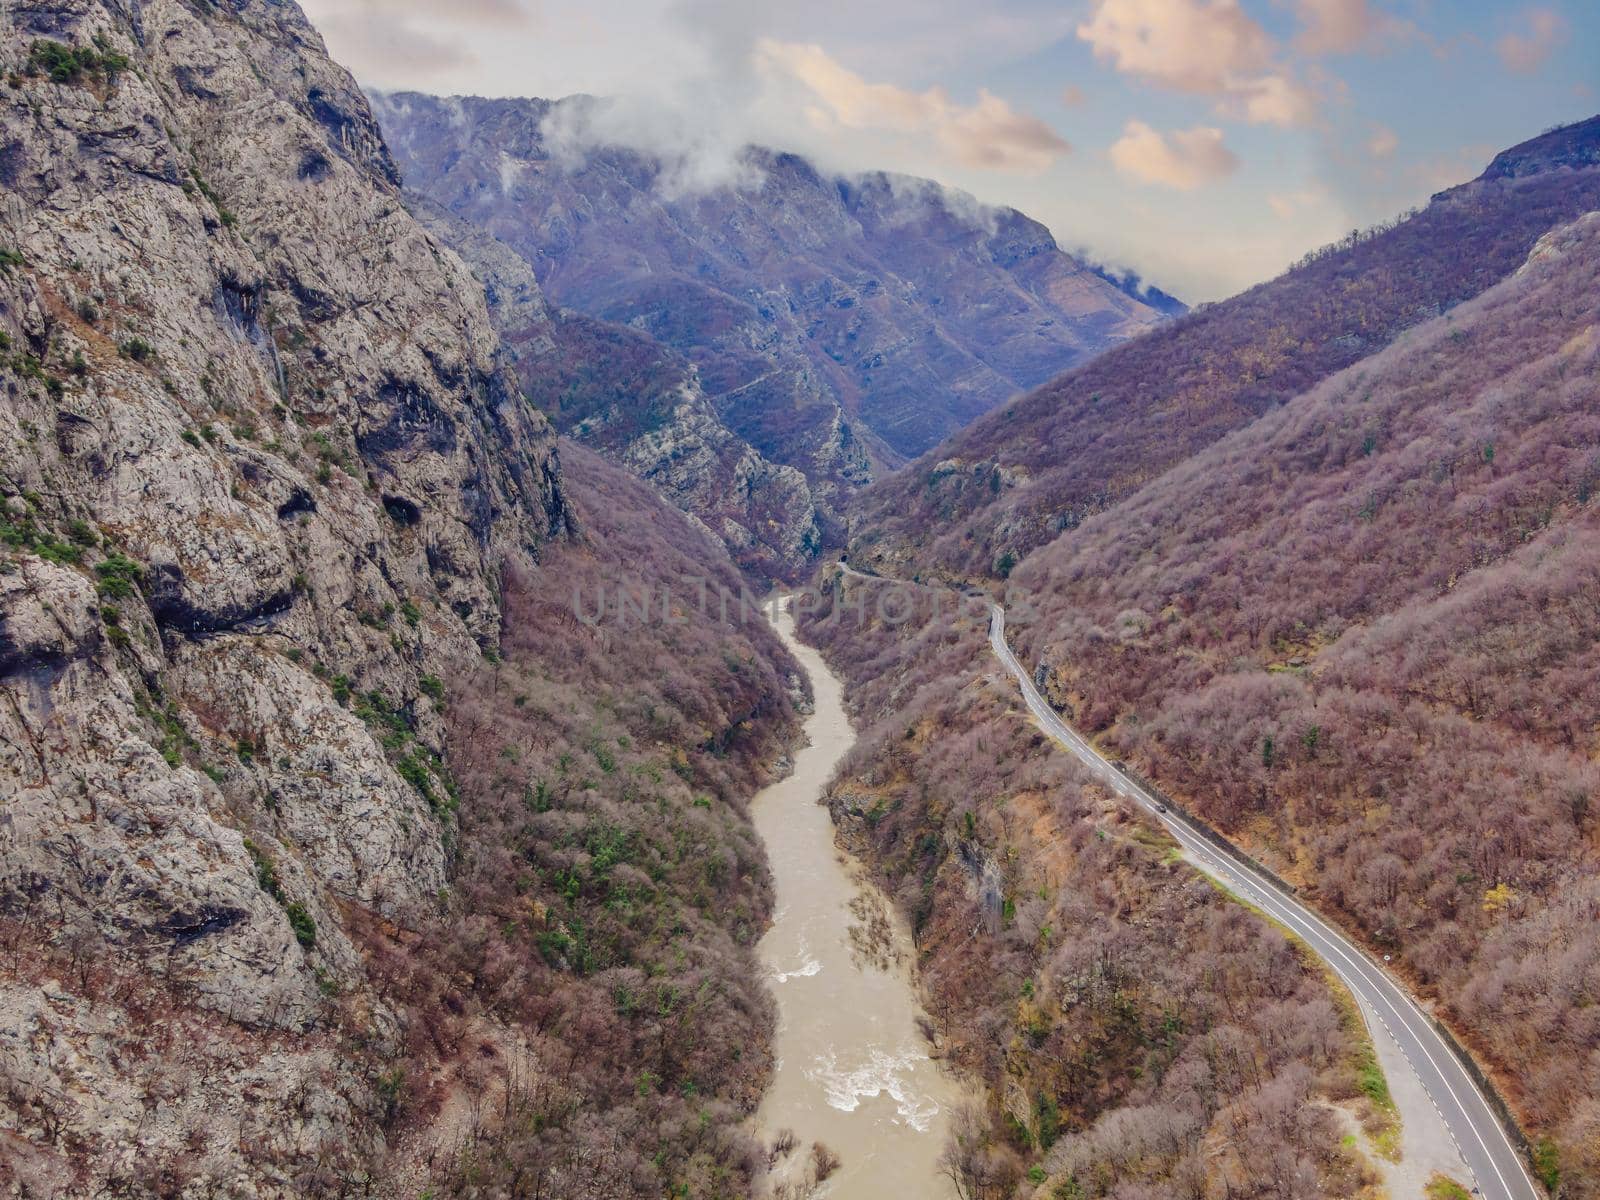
1166 768
836 326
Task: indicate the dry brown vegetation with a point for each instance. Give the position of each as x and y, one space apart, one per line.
589 1019
1363 636
1140 1035
1017 478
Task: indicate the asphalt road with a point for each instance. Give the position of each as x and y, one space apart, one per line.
1497 1168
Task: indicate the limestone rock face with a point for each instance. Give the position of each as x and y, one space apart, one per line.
262 457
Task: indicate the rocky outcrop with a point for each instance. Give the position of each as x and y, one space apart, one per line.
263 459
838 326
641 404
764 513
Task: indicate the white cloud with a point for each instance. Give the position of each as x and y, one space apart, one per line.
404 42
1525 52
989 134
694 157
1184 159
1272 100
1203 47
1383 142
1343 26
1289 205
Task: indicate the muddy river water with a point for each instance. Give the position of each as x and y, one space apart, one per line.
853 1070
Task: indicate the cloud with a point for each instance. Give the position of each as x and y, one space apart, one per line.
989 134
1288 205
695 157
1383 142
1344 26
403 41
1272 100
1073 96
1184 159
1526 52
1203 47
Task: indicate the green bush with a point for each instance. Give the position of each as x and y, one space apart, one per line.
266 870
119 576
305 929
1547 1162
137 349
69 64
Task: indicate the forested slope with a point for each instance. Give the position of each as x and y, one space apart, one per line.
1361 635
1019 477
1139 1034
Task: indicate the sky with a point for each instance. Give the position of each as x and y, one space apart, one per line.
1206 144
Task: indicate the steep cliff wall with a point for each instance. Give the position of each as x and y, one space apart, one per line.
262 467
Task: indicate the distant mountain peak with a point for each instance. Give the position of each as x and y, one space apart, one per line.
1130 283
1572 147
838 325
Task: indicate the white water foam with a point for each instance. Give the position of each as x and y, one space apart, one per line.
808 967
847 1087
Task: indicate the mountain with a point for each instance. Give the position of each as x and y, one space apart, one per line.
1359 634
837 326
640 403
1018 478
328 830
1130 283
1320 561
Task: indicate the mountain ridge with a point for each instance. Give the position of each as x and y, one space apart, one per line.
303 749
837 324
1315 559
1011 482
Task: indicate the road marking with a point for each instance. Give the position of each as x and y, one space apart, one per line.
1306 923
1322 936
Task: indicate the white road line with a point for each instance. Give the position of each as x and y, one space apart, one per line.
1348 962
1358 971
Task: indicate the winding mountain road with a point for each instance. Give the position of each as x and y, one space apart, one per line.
1497 1168
1486 1150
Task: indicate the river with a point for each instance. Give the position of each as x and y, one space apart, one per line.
852 1070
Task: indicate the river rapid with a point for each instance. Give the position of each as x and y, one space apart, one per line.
852 1069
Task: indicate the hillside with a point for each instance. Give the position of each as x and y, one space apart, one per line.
1139 1034
837 326
1360 635
329 836
1020 477
640 404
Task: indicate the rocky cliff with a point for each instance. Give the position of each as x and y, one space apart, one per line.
641 404
838 326
263 464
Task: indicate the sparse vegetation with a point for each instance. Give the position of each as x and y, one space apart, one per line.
118 576
73 64
224 214
139 350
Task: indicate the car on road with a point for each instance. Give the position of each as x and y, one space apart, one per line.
1161 808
